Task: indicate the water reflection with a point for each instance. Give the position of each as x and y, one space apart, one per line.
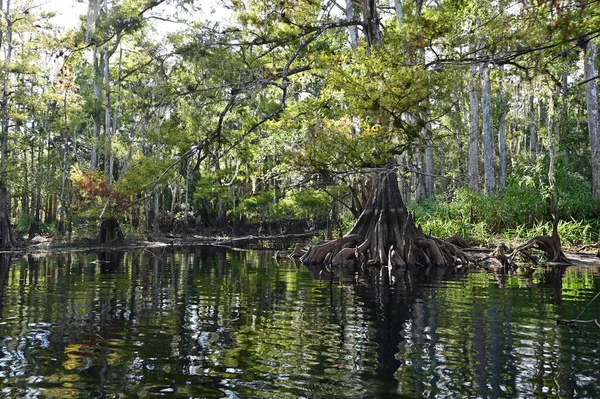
209 322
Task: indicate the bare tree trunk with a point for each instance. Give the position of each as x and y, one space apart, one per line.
473 155
421 183
488 134
429 168
407 182
156 219
591 93
25 195
533 132
502 137
221 217
371 23
116 113
443 179
399 11
187 189
552 123
107 118
7 239
174 190
352 30
96 112
92 16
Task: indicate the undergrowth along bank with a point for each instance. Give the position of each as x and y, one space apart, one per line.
517 214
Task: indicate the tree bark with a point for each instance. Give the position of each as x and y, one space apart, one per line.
371 23
110 232
552 123
591 93
7 239
96 112
473 155
502 136
421 183
488 134
533 132
429 168
352 30
399 11
385 234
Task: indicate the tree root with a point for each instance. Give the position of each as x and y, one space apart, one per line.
550 245
385 234
497 259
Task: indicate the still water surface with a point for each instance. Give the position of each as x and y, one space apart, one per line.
208 322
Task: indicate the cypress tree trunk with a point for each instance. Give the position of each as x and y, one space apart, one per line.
502 137
385 234
533 132
110 232
7 239
591 92
352 30
473 155
488 134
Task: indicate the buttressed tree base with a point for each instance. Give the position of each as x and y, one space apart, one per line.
385 234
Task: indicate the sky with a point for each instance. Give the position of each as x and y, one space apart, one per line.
68 12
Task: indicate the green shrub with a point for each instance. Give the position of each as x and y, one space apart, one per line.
22 224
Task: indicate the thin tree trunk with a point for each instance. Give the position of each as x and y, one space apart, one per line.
187 188
221 217
25 195
473 155
7 239
107 118
488 134
552 150
116 110
399 11
533 131
352 30
155 221
63 200
429 168
421 183
371 23
96 112
591 92
502 136
92 16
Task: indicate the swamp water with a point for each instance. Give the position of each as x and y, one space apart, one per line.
209 322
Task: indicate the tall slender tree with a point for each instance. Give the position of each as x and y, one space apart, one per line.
488 134
591 92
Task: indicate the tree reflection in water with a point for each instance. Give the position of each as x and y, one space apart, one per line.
210 322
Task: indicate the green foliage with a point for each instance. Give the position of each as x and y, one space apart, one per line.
22 223
518 213
302 204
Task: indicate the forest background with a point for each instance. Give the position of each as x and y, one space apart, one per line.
272 116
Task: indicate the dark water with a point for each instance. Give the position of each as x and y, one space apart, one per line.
206 322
